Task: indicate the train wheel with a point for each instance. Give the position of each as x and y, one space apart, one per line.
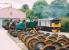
57 44
30 43
48 41
20 36
62 41
27 38
49 47
23 37
67 46
41 38
39 45
52 38
61 48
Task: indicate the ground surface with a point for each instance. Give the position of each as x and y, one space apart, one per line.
9 43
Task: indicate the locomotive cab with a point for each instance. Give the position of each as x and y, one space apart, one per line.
55 24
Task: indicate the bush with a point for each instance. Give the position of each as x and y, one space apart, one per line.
65 24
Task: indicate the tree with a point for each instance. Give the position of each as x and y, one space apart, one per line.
29 14
65 24
67 10
24 8
38 8
46 13
58 7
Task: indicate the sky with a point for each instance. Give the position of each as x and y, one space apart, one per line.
18 3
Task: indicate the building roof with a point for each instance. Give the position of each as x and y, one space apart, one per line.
11 13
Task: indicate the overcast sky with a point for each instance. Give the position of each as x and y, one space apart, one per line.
18 3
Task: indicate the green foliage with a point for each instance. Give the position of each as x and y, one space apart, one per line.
58 7
38 8
29 13
65 24
67 10
41 9
46 13
24 8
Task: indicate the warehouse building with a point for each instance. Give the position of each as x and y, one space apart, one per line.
11 13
